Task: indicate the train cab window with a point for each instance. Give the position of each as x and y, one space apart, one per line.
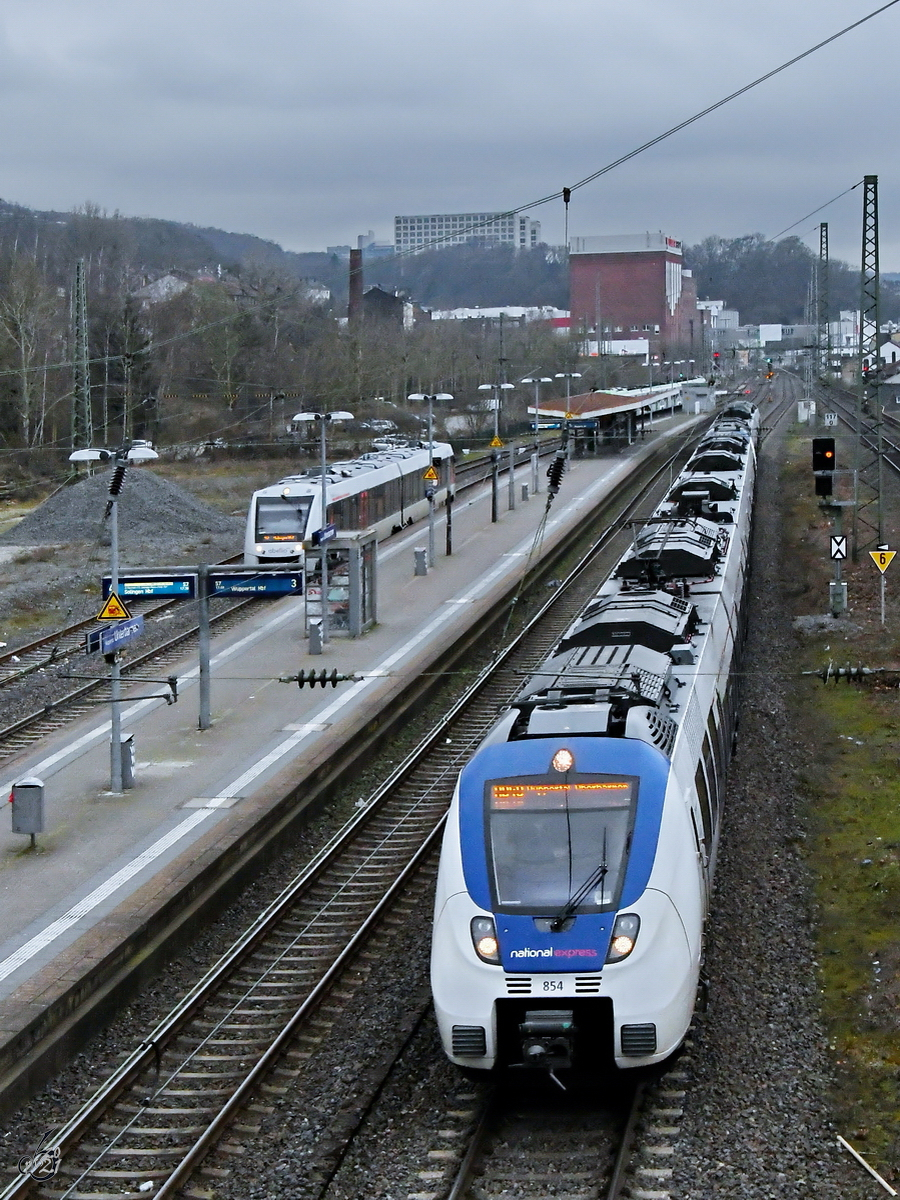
549 840
281 518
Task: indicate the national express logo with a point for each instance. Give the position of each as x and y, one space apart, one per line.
551 952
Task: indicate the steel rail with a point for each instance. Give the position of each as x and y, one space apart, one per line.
619 1172
46 711
241 1094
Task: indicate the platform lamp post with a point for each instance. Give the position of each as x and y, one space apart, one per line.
324 419
537 380
122 458
420 396
496 388
568 376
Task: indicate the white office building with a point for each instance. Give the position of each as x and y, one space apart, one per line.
456 229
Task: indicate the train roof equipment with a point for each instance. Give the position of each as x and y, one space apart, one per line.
652 617
675 548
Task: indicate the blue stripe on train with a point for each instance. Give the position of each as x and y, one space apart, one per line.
531 756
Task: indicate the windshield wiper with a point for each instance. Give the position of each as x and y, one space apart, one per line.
595 878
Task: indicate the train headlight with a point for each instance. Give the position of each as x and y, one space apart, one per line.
563 760
484 939
624 935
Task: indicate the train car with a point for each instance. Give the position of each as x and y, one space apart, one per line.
581 840
384 489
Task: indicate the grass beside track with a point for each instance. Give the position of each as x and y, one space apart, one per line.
850 736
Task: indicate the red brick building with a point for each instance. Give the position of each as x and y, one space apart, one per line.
635 287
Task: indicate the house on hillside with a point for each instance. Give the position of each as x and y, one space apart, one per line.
392 307
167 287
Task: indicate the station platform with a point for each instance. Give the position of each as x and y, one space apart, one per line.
107 862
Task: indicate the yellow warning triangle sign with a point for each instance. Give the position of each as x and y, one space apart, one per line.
495 442
882 558
113 610
431 475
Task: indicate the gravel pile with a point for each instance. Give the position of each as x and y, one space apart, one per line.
149 507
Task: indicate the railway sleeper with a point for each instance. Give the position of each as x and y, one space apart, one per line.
137 1151
163 1112
152 1130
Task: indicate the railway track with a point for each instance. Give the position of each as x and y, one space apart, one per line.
258 1014
53 715
527 1142
845 407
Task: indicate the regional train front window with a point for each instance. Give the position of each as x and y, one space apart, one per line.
547 838
281 518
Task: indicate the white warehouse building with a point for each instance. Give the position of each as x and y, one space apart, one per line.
456 229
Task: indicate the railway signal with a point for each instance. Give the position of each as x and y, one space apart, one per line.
823 464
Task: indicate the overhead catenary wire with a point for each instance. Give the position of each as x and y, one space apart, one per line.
846 192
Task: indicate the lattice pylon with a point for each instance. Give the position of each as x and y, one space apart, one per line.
868 523
82 420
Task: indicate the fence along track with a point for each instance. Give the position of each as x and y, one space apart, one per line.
200 1064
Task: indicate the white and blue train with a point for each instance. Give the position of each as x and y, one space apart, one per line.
581 841
384 490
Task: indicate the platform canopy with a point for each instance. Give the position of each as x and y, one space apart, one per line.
591 405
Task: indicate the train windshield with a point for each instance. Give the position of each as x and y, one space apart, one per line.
281 518
547 838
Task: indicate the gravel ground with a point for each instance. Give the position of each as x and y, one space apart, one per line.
64 552
756 1116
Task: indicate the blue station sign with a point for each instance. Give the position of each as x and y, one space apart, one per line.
251 583
321 536
110 638
183 587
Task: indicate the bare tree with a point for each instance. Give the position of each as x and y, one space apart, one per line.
28 307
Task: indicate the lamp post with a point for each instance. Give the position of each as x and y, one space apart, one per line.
568 376
430 490
324 419
121 459
496 388
537 380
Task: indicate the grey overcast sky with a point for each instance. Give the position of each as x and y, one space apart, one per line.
309 123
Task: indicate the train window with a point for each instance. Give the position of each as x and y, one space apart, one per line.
705 810
716 727
713 746
281 518
712 777
548 840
